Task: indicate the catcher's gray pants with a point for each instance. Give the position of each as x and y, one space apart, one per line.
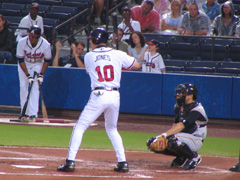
193 142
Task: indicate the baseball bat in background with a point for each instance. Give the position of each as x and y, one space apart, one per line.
114 21
44 109
26 103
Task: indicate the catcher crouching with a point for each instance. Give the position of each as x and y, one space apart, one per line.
185 138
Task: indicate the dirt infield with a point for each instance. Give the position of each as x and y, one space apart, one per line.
33 163
40 163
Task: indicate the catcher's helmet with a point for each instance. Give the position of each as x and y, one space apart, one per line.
99 36
185 89
35 31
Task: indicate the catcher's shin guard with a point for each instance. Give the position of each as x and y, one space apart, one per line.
181 149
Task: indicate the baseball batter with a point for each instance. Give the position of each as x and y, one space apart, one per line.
103 64
189 130
33 55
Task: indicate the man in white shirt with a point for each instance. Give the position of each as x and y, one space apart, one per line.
30 20
128 25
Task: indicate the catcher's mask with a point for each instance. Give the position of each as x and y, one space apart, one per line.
185 89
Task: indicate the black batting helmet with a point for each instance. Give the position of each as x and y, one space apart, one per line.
99 36
35 31
187 88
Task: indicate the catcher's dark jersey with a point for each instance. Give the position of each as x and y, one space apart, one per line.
194 118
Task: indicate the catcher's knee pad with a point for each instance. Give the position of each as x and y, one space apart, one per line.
180 148
172 143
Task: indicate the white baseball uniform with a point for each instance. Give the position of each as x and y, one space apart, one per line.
135 25
34 58
27 22
103 65
153 63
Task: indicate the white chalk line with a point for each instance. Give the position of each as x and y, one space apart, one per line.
138 173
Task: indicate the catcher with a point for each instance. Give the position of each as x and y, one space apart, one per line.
188 132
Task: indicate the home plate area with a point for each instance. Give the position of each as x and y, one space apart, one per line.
23 163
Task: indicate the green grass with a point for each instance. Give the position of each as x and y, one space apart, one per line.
18 135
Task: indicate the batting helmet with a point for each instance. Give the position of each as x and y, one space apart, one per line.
35 31
99 36
185 89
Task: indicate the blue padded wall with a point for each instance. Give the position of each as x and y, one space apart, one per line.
142 93
214 93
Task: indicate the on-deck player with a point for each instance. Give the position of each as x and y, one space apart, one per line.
103 64
33 55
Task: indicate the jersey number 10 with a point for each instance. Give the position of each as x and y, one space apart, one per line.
108 73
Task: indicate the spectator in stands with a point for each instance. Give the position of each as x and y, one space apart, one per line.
226 23
199 3
7 41
211 8
152 61
171 20
128 25
137 45
122 45
98 8
73 60
148 17
194 22
31 19
162 6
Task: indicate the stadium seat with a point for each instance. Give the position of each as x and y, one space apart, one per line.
215 49
23 1
233 71
13 6
173 65
13 21
64 9
51 22
49 2
10 12
58 15
230 64
201 70
210 64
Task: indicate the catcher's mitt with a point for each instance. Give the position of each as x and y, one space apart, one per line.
158 143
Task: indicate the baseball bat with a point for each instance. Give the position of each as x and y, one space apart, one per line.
44 109
26 103
114 21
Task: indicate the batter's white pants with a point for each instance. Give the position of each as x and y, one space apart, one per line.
100 101
33 103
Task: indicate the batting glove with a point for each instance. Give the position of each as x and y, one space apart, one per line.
40 78
30 79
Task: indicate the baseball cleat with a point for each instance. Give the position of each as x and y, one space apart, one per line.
32 118
121 167
178 161
68 166
23 118
235 168
192 163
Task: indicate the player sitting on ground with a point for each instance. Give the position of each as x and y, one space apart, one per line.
189 130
